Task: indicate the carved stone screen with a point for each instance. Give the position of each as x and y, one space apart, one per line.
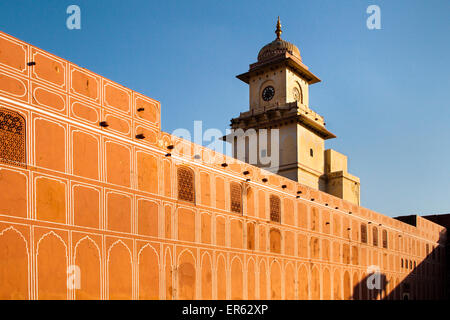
363 233
236 197
186 190
12 138
275 208
375 236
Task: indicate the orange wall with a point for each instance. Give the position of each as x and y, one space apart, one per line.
107 202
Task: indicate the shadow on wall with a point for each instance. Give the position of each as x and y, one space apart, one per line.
423 281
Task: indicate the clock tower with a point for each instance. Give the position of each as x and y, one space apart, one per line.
281 126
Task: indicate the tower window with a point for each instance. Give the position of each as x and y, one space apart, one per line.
12 138
186 186
236 197
275 208
311 152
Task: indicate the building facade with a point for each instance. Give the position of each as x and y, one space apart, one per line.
96 202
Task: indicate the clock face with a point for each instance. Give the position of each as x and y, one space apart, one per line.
268 93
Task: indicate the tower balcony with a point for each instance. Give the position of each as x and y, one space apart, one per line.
274 115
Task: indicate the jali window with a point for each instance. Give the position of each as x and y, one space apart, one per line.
363 233
385 239
375 236
275 209
186 186
12 138
236 197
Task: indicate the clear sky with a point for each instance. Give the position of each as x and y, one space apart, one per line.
384 93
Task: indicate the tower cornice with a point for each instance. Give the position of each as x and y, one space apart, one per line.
280 115
285 59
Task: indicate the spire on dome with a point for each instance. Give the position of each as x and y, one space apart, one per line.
278 31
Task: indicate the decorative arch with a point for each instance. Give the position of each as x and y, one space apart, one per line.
347 286
262 280
275 281
206 269
315 283
237 279
87 257
289 284
303 283
119 266
221 276
186 276
149 270
326 292
337 295
251 279
51 268
14 265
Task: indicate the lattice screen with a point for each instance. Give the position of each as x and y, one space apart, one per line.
363 233
236 197
385 239
375 236
12 138
275 208
186 189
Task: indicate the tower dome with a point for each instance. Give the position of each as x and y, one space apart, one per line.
278 46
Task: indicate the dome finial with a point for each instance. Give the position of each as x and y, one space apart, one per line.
278 30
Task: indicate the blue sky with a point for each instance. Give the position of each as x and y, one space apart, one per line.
384 93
